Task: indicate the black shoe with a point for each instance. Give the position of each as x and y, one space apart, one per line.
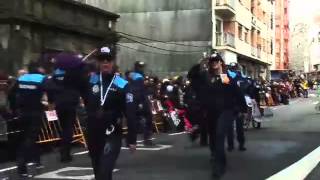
25 176
22 170
230 149
193 136
66 159
39 165
148 142
203 143
212 158
242 148
218 171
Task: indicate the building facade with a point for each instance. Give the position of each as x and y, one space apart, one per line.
244 33
242 30
304 40
282 35
299 49
32 29
181 31
314 63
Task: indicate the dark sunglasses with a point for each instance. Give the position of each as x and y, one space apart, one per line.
105 60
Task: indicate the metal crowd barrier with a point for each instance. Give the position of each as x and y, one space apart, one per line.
51 131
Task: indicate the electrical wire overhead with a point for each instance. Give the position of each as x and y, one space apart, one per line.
150 52
164 42
162 49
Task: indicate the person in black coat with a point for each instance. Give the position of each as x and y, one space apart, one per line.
107 98
29 90
65 97
219 98
142 102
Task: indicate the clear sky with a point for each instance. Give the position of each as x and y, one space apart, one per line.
303 10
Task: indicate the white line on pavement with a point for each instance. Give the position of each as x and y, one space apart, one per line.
141 148
174 134
300 169
8 169
86 152
143 140
316 102
13 167
80 153
58 174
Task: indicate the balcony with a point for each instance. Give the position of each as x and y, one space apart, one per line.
259 51
225 39
225 8
219 39
254 51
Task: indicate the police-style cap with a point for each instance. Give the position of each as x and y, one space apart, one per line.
233 64
139 64
214 57
105 53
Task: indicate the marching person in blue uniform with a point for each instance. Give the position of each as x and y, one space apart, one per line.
238 80
219 98
29 89
65 96
136 78
108 97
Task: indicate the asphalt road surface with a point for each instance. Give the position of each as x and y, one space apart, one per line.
284 140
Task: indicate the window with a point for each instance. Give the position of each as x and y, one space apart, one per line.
218 32
271 21
240 32
218 25
246 35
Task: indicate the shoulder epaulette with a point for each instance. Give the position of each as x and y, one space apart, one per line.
35 78
120 82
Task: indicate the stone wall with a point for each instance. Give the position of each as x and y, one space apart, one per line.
172 21
31 28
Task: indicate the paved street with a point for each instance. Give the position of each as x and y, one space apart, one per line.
290 135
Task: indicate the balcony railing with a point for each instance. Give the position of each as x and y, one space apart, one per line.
259 51
229 3
225 39
228 39
254 51
218 38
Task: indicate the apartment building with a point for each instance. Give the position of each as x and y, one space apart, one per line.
282 35
244 33
299 48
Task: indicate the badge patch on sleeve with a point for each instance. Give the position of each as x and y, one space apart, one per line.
95 89
129 97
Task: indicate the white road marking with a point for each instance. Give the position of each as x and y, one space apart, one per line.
80 153
300 169
143 140
8 169
86 152
140 147
316 102
12 168
143 148
57 174
174 134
